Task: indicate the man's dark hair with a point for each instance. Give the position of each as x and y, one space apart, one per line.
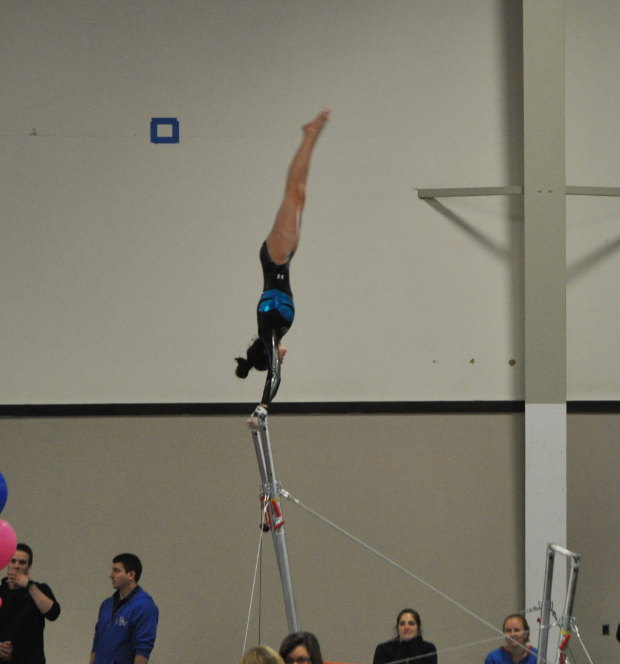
26 549
130 562
306 639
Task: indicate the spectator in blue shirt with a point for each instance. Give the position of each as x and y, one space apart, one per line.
127 625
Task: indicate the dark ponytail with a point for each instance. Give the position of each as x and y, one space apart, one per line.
256 359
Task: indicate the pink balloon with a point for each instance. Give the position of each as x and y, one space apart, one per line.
8 543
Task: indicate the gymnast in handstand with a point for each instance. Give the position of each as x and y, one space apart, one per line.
276 309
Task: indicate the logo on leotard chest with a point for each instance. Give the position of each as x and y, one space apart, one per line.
279 276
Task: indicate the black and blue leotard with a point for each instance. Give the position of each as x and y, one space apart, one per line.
276 310
275 314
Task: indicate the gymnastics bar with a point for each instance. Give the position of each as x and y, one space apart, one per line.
565 621
511 191
270 496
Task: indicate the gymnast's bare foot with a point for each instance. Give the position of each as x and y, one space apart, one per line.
315 127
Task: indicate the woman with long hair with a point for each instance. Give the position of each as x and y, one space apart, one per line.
408 643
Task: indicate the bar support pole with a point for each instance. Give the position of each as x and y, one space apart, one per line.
270 499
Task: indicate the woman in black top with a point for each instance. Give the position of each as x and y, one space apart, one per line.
408 644
276 309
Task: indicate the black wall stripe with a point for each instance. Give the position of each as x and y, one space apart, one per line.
292 408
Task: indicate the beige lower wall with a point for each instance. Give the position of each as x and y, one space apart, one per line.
593 509
440 494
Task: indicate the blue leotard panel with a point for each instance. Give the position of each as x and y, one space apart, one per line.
277 300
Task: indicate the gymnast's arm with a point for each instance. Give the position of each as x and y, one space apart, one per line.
272 383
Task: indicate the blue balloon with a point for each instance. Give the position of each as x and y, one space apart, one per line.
3 492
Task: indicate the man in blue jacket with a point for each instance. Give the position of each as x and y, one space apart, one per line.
127 624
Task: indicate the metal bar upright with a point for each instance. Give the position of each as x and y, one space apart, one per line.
270 495
545 612
565 621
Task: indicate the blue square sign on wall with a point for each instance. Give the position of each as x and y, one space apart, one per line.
156 122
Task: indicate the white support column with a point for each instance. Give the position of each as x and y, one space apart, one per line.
545 500
545 291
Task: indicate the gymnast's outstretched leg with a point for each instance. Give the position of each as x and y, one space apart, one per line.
283 239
